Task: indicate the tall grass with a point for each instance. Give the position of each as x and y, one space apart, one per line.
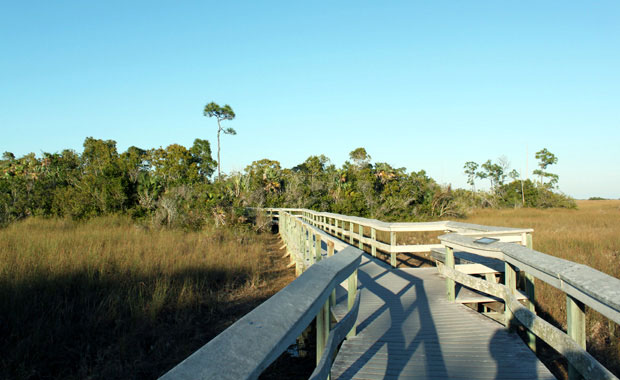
589 235
107 299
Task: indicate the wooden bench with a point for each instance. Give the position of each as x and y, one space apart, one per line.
473 264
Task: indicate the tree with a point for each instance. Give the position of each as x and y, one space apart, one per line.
470 169
201 152
360 157
220 113
546 158
494 172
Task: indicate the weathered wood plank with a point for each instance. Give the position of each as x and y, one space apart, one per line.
406 329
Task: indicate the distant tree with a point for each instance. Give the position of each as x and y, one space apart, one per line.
220 113
470 169
360 157
514 174
494 172
546 158
201 152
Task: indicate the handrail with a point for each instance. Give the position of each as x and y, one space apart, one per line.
582 285
337 224
598 290
247 347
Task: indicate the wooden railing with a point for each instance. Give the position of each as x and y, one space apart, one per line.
362 232
581 284
246 348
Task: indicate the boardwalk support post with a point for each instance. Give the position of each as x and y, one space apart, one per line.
393 249
322 330
361 237
330 252
450 285
575 328
530 291
352 289
351 233
373 237
511 286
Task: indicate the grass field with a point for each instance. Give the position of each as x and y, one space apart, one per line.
589 235
107 299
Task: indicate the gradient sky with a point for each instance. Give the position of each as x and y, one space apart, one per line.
422 85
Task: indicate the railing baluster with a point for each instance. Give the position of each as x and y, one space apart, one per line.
352 289
330 252
361 237
530 291
575 328
351 233
510 280
373 237
450 285
393 249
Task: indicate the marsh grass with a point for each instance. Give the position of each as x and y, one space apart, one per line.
589 235
108 299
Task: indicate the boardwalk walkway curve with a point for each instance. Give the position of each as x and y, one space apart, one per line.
410 323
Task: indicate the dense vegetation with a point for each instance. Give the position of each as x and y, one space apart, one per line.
173 186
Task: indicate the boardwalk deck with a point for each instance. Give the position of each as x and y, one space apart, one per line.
408 330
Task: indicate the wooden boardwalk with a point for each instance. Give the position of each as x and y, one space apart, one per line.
408 330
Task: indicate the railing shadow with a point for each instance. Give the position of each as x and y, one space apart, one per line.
393 341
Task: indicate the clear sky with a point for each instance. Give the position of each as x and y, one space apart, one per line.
420 84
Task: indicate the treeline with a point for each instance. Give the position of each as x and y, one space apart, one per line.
517 192
175 187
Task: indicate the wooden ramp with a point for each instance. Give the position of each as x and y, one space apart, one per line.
408 330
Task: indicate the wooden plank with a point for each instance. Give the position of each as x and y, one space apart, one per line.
474 269
575 328
450 291
373 247
406 329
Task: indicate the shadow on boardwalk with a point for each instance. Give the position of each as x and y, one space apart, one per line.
407 330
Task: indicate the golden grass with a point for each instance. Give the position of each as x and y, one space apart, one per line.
105 298
589 235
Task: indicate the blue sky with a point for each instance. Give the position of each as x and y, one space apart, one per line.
422 85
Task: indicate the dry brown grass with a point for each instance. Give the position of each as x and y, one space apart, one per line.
107 299
589 235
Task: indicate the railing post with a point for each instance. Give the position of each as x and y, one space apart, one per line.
450 285
361 237
299 266
351 233
302 242
393 249
373 237
307 243
322 330
530 291
330 253
575 328
510 281
317 247
352 289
